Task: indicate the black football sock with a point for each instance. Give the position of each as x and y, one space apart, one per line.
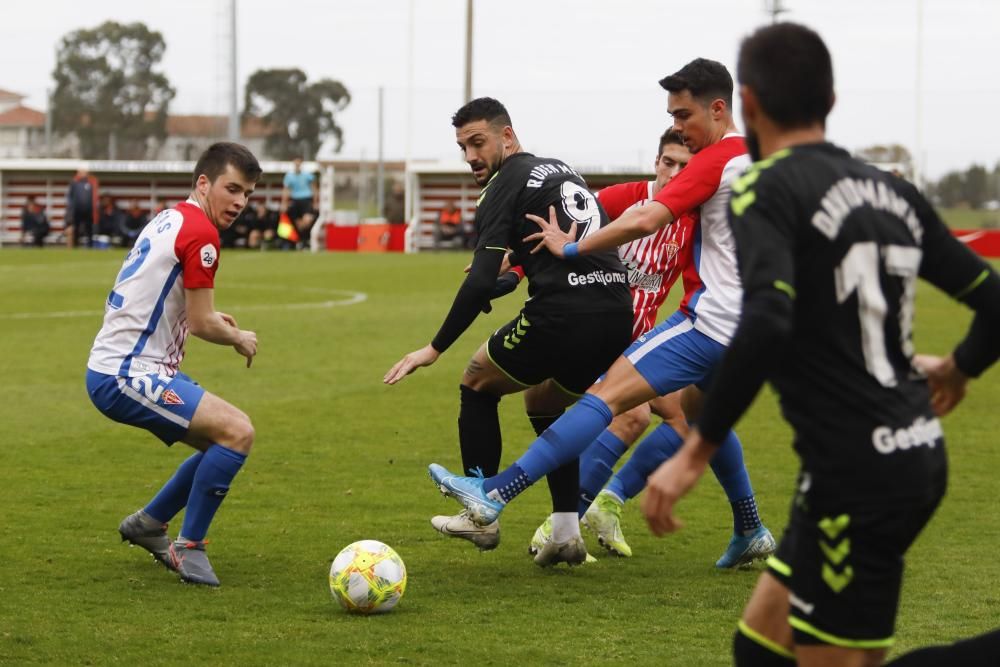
479 432
564 482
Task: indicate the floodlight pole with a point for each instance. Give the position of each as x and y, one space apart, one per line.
380 173
409 82
234 119
48 122
774 8
918 167
468 51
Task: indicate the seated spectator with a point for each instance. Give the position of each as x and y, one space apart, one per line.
262 224
450 226
34 223
132 222
109 223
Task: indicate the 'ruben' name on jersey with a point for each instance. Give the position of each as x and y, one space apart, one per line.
537 176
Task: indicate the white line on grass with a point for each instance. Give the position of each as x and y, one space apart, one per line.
349 299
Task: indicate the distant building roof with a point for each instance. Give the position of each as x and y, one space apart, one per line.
355 165
22 116
177 125
211 126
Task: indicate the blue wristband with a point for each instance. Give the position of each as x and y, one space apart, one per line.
571 249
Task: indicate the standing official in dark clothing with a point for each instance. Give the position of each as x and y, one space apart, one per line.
81 209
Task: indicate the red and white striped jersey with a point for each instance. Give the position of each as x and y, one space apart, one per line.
653 262
704 185
145 317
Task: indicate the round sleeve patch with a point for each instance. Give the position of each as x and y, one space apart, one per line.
208 255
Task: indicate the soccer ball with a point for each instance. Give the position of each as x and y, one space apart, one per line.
367 577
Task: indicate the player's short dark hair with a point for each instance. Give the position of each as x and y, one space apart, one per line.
671 136
707 80
482 108
218 156
789 69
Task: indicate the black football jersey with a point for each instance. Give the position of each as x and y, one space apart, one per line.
528 184
847 242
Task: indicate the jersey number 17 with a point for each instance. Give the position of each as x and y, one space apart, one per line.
861 272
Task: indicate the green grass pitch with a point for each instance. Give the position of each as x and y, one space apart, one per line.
341 457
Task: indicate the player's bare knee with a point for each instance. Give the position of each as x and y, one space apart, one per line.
631 425
240 436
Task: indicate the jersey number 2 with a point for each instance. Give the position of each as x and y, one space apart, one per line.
133 260
860 271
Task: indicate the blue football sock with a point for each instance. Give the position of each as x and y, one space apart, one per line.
564 482
654 449
729 469
209 488
509 483
597 463
561 443
172 498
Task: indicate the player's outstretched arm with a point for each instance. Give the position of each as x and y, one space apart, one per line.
633 224
425 356
208 324
472 295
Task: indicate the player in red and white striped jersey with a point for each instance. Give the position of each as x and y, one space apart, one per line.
163 291
654 263
710 308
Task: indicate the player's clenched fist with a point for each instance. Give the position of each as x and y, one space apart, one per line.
247 346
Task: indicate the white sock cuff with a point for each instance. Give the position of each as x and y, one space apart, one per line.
565 526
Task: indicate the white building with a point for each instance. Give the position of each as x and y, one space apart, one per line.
22 129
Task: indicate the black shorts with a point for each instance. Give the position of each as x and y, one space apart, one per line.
573 349
299 207
842 563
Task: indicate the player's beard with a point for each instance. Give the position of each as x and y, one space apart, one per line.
753 144
490 170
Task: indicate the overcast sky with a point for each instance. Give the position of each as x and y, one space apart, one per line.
578 76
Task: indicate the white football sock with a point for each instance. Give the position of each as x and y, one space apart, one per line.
565 526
